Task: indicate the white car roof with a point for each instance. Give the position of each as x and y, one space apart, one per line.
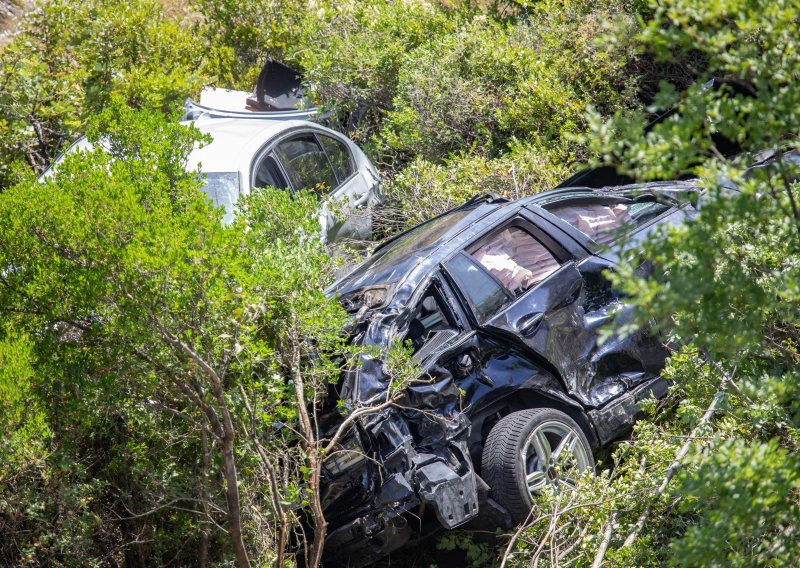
236 141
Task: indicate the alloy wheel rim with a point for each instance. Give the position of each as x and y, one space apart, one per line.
553 455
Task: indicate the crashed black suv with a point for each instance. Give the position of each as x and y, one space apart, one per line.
502 303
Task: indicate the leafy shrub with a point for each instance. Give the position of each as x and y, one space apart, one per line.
134 296
240 35
352 52
712 480
488 82
446 99
742 493
70 58
424 188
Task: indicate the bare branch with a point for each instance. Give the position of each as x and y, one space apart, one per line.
526 525
182 415
607 532
351 418
209 412
676 462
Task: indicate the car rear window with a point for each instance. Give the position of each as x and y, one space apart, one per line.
605 222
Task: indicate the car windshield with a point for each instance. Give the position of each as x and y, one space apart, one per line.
223 189
418 239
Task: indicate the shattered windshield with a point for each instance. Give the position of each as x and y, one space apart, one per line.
418 239
394 260
223 189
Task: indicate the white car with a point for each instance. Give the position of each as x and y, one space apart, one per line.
279 148
247 153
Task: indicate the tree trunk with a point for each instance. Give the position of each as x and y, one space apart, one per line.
128 496
320 524
311 446
232 498
203 552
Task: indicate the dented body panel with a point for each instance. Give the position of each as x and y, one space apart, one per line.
503 304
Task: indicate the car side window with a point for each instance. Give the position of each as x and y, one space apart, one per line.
485 293
516 258
268 174
306 163
603 222
339 156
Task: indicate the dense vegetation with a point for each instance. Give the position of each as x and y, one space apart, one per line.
156 367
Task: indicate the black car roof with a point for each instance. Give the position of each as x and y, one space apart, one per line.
411 267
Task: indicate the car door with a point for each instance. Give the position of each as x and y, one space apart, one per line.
623 359
355 189
522 286
321 163
549 319
303 159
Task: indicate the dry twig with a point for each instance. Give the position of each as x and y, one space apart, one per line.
673 467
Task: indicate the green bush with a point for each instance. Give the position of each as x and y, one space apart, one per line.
489 82
424 188
70 58
446 98
742 493
696 487
452 100
241 35
351 53
146 333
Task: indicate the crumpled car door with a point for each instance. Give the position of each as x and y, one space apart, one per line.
549 319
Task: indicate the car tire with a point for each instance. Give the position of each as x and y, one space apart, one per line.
513 467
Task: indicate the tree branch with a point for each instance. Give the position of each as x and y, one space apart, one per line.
607 532
676 462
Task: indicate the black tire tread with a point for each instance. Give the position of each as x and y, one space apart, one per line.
500 461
